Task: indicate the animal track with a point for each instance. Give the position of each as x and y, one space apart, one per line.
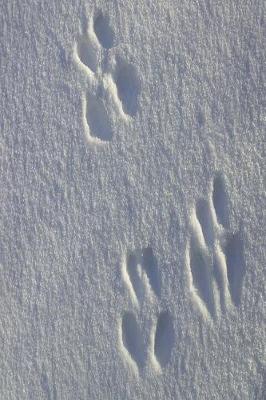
142 269
103 31
128 87
96 113
111 77
132 338
141 274
214 254
88 53
164 338
220 201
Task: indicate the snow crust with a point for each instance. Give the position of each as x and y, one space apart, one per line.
132 241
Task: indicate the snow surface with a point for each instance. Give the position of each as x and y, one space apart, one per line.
132 258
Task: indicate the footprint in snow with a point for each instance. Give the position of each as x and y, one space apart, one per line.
93 54
215 258
141 275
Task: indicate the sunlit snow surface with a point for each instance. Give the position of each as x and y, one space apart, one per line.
132 247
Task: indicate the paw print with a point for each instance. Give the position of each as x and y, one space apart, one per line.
154 337
215 261
113 85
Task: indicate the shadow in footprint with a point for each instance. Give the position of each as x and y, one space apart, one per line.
87 53
150 266
204 218
97 119
164 338
49 392
219 276
134 270
128 87
235 266
139 262
201 275
103 31
132 339
220 201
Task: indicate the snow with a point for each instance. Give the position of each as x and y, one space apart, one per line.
132 245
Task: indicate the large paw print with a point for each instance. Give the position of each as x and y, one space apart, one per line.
214 255
155 335
110 80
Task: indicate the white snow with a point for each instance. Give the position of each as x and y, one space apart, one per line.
132 244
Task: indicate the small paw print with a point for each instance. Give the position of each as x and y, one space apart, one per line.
113 85
215 261
154 336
